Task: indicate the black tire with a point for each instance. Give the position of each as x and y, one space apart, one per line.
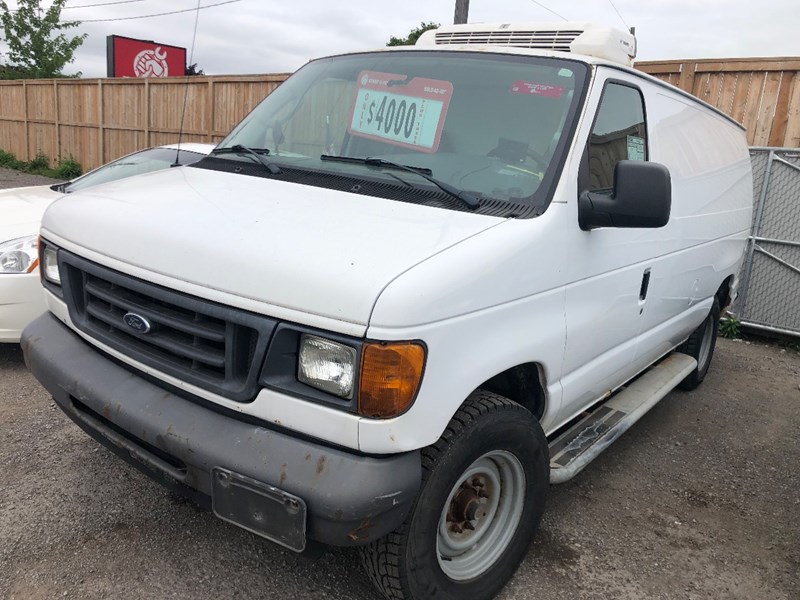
695 348
405 564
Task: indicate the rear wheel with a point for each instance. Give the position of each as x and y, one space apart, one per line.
700 346
482 496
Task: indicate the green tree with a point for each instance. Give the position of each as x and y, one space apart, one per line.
37 45
193 70
413 35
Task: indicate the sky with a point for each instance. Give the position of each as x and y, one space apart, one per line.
270 36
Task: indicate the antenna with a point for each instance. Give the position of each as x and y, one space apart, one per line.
550 10
619 14
186 88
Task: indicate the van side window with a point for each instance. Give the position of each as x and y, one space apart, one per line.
619 133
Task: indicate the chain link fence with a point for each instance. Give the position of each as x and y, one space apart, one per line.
769 293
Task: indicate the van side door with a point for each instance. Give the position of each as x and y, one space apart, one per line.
609 268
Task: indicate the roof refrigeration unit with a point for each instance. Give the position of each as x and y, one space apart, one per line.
584 38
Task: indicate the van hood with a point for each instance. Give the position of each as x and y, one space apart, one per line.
22 210
308 249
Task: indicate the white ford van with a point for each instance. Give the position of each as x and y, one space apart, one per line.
410 290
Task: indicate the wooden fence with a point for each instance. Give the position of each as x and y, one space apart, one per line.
761 93
97 120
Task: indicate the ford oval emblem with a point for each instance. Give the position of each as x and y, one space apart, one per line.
137 322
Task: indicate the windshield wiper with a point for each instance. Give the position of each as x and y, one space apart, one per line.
255 152
465 197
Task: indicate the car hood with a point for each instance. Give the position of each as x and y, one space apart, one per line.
22 210
312 250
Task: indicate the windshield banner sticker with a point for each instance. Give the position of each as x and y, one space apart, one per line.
388 109
537 89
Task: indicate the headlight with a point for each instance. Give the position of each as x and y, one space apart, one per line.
19 255
327 365
373 379
50 265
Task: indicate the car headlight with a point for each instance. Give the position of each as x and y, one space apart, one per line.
19 255
389 375
50 264
327 365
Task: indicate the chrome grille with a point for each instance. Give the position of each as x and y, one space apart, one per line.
213 346
553 39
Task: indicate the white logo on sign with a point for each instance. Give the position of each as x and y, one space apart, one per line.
151 63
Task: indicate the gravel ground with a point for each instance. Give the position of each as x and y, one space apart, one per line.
700 499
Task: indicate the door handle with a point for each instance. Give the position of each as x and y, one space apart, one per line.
645 285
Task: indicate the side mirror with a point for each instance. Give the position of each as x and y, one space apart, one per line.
642 198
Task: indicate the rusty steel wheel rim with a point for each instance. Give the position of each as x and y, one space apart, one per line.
480 516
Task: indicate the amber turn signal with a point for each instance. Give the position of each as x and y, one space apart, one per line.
390 377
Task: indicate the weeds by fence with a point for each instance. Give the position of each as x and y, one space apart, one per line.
67 168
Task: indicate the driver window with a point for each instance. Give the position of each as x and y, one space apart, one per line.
619 133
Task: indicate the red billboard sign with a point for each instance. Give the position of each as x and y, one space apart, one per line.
129 57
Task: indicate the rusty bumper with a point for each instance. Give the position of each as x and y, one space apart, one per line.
351 499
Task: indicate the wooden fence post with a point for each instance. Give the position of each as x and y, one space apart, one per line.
210 105
27 127
686 80
56 121
147 120
101 120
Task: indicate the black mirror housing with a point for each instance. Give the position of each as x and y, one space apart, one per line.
642 198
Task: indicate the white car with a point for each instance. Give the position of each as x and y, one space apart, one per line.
21 298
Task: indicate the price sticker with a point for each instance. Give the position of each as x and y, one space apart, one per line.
411 114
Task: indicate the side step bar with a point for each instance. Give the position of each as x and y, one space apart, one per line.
583 442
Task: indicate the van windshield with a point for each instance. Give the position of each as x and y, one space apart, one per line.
492 125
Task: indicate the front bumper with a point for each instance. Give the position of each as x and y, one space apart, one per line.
351 499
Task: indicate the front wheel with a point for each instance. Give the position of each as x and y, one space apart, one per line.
482 496
700 346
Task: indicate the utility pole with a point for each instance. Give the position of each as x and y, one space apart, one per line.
462 11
